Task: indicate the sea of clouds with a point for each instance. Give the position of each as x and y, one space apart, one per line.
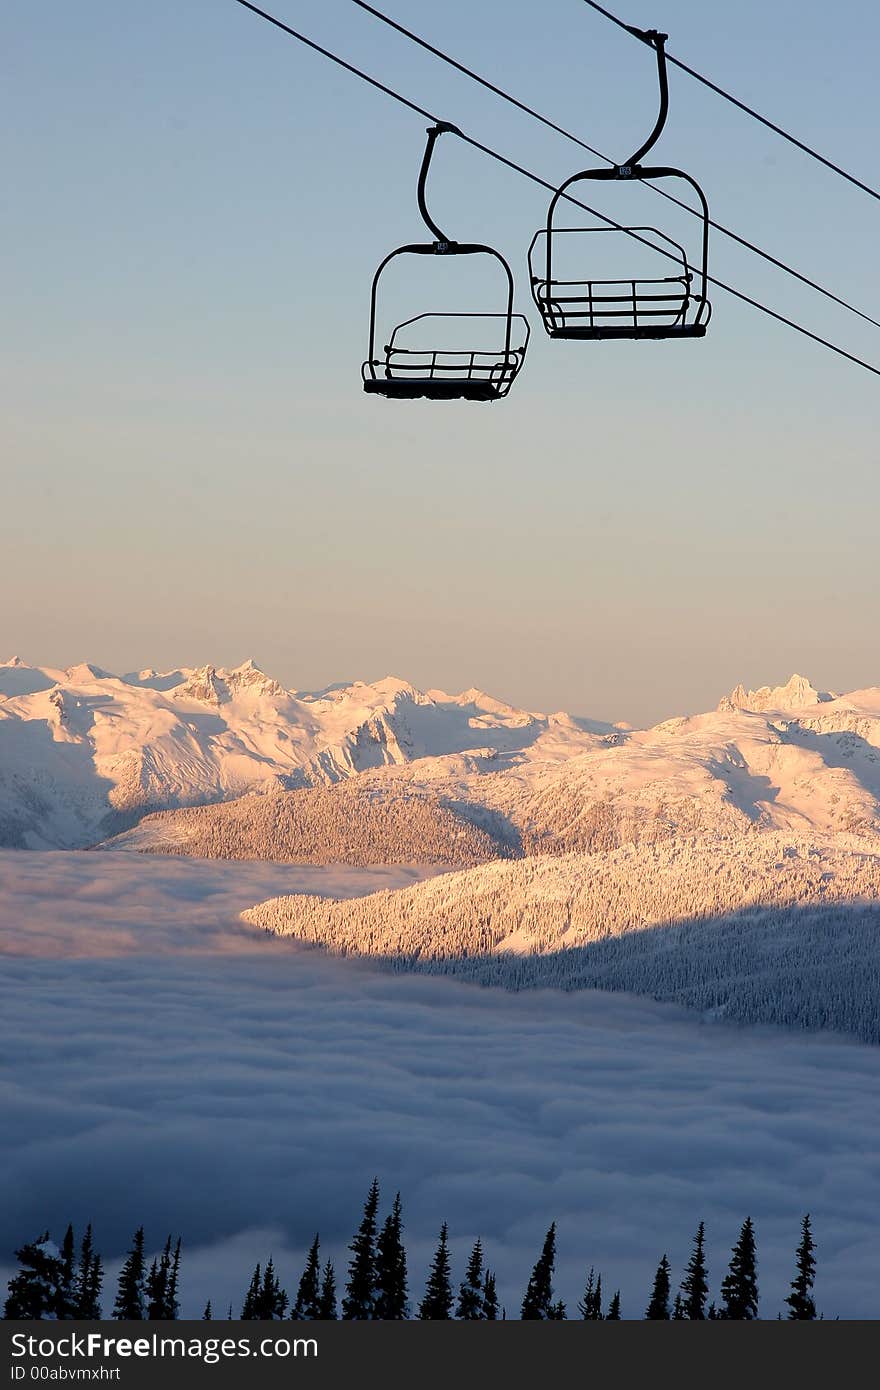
164 1064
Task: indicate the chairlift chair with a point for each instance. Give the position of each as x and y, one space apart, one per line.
403 372
674 306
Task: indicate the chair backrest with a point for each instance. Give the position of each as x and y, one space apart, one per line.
507 316
636 172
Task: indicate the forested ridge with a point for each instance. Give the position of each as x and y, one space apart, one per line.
772 928
344 824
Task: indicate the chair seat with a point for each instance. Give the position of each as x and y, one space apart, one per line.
432 388
620 330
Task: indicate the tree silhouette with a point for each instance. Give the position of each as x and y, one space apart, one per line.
800 1301
437 1302
658 1308
89 1280
35 1291
695 1284
391 1277
250 1307
308 1295
739 1289
538 1299
590 1306
327 1301
471 1292
490 1298
129 1305
360 1291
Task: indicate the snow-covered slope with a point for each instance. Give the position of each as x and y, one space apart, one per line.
810 767
547 903
768 927
345 824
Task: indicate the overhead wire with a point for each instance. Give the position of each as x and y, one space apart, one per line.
576 140
543 183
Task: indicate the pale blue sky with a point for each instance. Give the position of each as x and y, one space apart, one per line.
195 206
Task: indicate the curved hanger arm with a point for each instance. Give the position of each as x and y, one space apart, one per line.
658 43
434 132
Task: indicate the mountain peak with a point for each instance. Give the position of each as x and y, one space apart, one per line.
14 661
86 671
485 702
205 685
797 693
251 676
391 688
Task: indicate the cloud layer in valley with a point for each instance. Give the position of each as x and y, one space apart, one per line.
247 1100
110 904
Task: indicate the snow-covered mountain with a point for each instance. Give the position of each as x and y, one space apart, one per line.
805 766
84 754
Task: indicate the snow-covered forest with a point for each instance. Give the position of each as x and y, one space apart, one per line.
767 928
344 824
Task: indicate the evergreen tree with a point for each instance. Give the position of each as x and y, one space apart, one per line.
658 1308
172 1306
360 1291
161 1285
695 1284
251 1307
156 1285
265 1299
67 1302
327 1302
437 1302
678 1313
35 1291
470 1294
308 1295
590 1306
613 1314
800 1300
740 1286
129 1305
490 1298
272 1303
586 1303
538 1297
89 1280
154 1290
208 1316
556 1312
391 1277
